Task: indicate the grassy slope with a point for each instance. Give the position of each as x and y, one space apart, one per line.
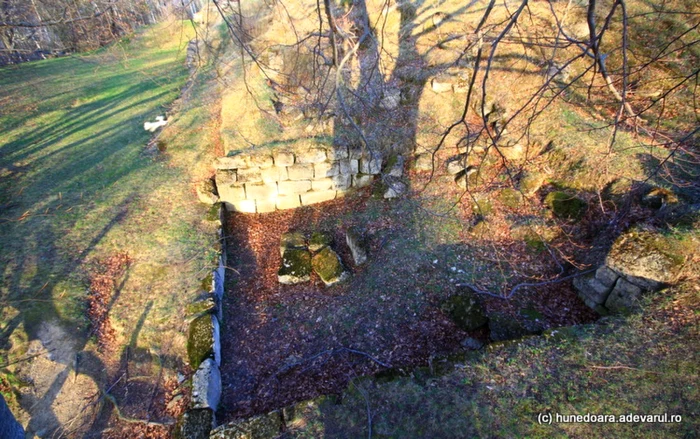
78 185
645 364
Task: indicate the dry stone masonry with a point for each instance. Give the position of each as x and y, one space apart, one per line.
290 176
638 262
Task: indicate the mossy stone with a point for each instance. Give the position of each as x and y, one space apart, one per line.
200 340
511 198
327 265
647 259
292 240
195 424
465 311
207 282
296 266
530 183
502 327
269 425
482 206
319 240
659 197
565 206
207 304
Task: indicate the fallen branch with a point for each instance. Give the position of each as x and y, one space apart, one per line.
524 285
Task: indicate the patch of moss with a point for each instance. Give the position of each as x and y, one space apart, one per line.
465 311
200 340
195 424
292 240
530 183
327 265
213 213
511 198
204 305
207 282
296 266
482 206
658 197
534 243
319 240
565 206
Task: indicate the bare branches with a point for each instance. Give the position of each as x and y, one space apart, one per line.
522 285
62 20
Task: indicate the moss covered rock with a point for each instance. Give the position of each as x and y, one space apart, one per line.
565 206
203 339
296 266
465 311
328 266
511 198
259 427
482 205
195 424
530 183
319 240
646 259
292 240
659 197
503 327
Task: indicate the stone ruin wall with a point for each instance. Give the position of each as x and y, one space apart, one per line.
290 176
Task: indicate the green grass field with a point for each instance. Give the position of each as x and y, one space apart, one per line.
78 184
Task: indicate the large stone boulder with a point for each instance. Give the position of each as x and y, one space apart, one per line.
296 266
328 266
206 192
645 259
465 311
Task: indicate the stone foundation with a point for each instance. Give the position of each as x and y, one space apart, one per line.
290 176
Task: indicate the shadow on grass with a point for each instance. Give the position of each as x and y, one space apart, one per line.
71 174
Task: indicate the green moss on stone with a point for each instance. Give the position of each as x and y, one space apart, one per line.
327 265
207 282
482 206
296 266
195 424
465 311
530 183
504 327
319 240
566 206
292 240
200 340
204 305
511 198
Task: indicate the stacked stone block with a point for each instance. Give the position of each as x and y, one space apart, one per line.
275 179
